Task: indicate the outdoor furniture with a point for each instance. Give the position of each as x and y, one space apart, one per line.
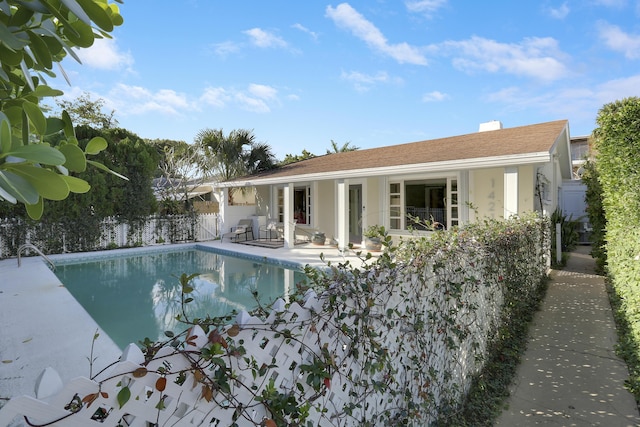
270 230
243 229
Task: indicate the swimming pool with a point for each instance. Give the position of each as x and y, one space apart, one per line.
136 296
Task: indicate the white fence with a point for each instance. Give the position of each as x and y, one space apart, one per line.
113 233
432 323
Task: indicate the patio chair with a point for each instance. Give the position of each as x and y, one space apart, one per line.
271 231
244 228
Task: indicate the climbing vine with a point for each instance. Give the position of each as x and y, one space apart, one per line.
396 340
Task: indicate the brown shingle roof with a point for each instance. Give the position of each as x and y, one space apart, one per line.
521 140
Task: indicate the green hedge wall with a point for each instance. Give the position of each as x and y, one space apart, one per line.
617 148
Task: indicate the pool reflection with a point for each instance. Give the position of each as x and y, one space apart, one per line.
137 297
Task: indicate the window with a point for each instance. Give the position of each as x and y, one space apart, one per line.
418 203
395 207
301 205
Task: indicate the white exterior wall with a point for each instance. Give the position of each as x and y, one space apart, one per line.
325 203
486 191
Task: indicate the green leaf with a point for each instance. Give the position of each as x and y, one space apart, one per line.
76 160
10 39
68 125
54 125
43 91
5 133
97 14
75 8
96 145
4 195
123 396
79 34
76 185
18 187
35 211
38 153
48 184
106 169
40 50
35 116
9 56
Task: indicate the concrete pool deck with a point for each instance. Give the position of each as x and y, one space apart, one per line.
44 326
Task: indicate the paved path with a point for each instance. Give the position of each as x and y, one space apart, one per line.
570 375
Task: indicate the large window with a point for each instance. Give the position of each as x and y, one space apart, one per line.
417 204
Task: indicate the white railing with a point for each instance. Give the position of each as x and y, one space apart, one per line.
29 246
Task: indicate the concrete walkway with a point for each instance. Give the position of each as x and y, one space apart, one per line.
570 375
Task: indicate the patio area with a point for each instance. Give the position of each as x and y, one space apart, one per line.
44 326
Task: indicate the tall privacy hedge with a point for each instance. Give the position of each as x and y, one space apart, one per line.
617 148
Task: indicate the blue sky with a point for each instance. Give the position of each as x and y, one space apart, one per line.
372 73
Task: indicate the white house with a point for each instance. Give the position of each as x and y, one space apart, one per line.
493 173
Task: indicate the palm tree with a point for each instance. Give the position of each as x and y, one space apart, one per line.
345 147
234 155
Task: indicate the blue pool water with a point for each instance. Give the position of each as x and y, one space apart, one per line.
138 296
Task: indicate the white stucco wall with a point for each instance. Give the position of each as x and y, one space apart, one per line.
263 201
486 192
325 208
374 201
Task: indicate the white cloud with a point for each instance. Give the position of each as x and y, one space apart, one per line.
256 98
427 7
305 30
346 17
535 57
139 100
559 12
265 39
619 41
215 96
225 48
105 55
263 91
363 82
580 103
252 104
618 89
434 96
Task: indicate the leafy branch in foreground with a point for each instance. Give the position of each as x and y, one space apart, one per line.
35 35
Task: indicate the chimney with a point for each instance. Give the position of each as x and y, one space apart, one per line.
492 125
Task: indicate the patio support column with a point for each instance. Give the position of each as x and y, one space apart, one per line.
222 214
510 191
342 214
289 226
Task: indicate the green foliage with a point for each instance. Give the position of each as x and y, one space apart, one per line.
617 147
341 149
374 231
84 111
37 34
569 236
366 307
235 154
293 158
595 211
182 168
